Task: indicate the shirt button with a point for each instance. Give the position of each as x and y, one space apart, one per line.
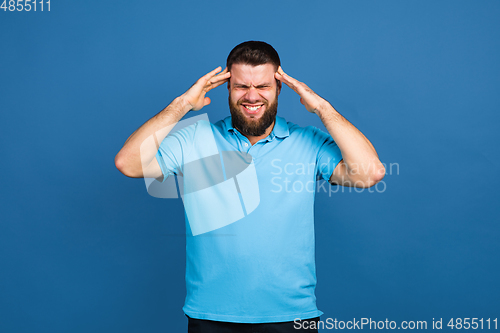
246 144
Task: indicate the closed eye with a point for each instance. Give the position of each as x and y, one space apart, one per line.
242 86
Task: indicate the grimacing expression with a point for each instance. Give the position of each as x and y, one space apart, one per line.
253 97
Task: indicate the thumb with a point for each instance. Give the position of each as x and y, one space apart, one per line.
206 101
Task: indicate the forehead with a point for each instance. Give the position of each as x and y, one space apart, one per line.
248 74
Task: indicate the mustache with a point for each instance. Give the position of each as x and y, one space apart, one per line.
252 102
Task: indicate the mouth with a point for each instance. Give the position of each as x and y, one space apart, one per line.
252 108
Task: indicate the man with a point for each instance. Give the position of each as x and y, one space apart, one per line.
261 277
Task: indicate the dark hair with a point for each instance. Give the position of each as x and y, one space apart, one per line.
253 53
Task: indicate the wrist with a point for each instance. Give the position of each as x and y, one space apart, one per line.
323 109
181 104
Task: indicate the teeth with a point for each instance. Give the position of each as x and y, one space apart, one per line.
253 108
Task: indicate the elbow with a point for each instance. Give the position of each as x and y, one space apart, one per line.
124 167
370 177
120 164
376 175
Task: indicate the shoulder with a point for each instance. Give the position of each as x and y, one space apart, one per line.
186 134
191 127
308 134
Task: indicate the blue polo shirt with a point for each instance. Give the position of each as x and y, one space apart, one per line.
260 268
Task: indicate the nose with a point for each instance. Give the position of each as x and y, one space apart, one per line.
252 95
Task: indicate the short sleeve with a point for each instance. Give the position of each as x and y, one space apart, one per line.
174 150
329 155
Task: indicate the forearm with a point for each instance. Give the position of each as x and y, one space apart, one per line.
136 158
359 156
141 147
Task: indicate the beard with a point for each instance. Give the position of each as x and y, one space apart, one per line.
252 126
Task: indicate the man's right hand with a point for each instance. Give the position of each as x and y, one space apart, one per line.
195 97
137 156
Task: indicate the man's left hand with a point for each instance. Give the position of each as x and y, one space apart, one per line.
309 98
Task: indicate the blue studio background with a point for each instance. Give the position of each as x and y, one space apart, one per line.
85 249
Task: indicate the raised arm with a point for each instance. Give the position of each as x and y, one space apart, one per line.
360 165
137 157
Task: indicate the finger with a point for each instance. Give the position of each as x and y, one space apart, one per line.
217 81
210 74
215 71
296 83
221 76
289 78
286 79
204 81
279 73
215 84
297 86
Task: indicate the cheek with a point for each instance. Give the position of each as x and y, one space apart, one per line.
236 96
269 96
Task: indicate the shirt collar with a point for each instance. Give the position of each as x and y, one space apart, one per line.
280 128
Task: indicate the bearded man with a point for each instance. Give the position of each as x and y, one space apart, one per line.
263 277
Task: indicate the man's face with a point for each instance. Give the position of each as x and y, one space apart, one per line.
253 97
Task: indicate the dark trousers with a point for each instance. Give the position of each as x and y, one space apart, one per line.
210 326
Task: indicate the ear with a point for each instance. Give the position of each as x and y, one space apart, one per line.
278 82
